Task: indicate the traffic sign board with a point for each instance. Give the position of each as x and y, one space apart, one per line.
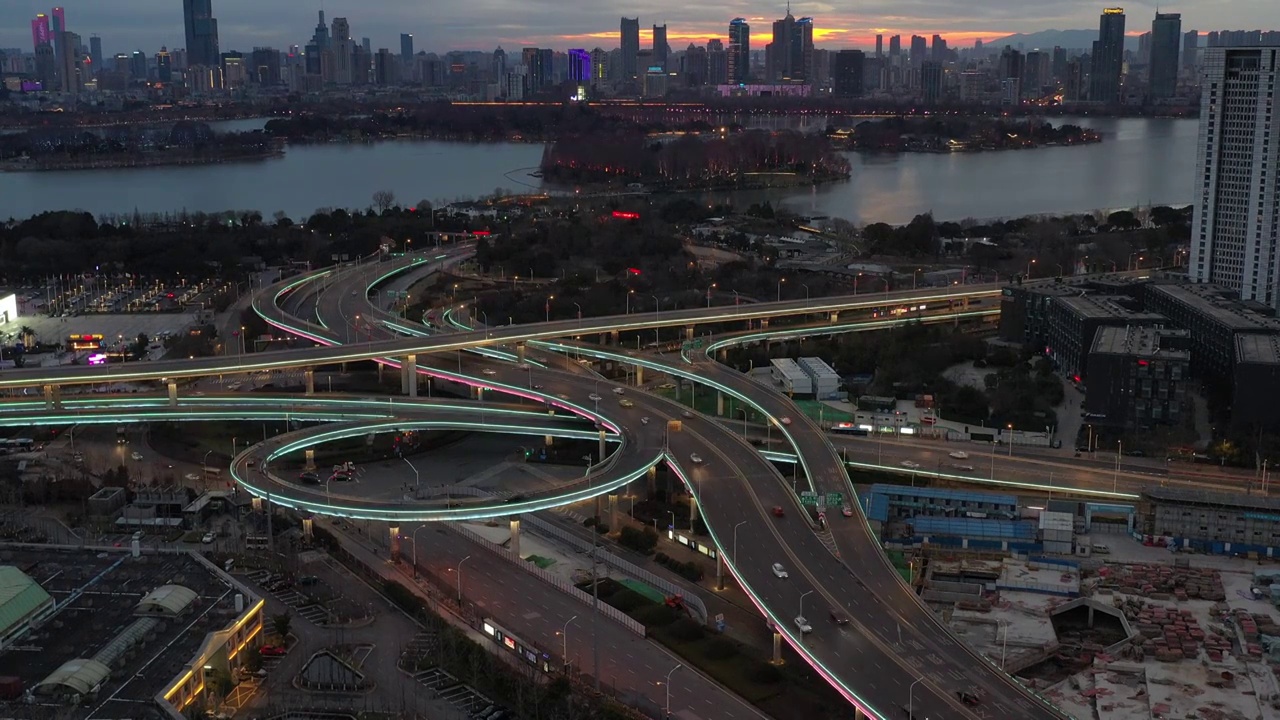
835 498
808 497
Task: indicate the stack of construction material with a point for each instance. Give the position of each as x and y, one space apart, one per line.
1169 634
1249 631
1165 582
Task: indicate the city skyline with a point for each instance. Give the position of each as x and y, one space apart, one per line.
243 25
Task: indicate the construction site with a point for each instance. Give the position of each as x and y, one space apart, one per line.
1139 634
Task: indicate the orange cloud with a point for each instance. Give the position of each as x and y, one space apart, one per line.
831 38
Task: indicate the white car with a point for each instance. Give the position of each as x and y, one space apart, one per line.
909 464
191 477
644 421
618 391
779 570
208 538
785 420
696 458
594 396
963 468
959 455
687 413
803 624
136 455
139 535
523 365
489 371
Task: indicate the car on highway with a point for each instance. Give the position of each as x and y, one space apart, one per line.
594 396
959 454
695 458
963 468
489 371
523 365
136 455
839 617
191 477
687 413
909 464
208 538
626 403
139 535
309 478
785 420
968 698
846 511
778 511
618 391
779 570
644 421
272 650
537 387
803 624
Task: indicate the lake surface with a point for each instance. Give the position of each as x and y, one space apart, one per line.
1140 161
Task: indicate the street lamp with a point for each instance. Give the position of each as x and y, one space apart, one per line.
579 313
416 478
1033 262
911 698
460 578
548 306
414 539
780 281
806 290
709 287
564 642
802 597
1010 439
1004 639
667 712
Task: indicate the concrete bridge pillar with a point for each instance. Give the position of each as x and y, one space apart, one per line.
859 715
380 368
603 449
173 393
311 459
548 440
520 351
777 648
693 510
719 571
688 332
835 317
515 537
409 375
651 476
393 542
613 513
719 404
52 397
764 323
722 354
310 377
613 337
639 375
604 338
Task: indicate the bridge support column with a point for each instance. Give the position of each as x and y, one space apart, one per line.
639 375
604 339
52 397
859 715
520 351
651 476
308 528
693 511
719 404
688 332
722 354
380 368
613 337
393 542
310 377
603 449
311 459
173 393
613 514
835 317
548 440
515 537
777 648
719 571
409 375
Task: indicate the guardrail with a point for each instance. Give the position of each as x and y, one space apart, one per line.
620 564
555 581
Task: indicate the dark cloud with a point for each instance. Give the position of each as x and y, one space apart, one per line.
481 24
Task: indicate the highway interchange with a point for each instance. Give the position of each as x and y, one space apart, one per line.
894 653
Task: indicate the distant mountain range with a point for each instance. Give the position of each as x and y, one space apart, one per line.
1047 39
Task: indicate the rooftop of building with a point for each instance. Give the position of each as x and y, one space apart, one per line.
20 596
789 368
101 597
1138 340
1209 498
817 366
1219 305
1106 306
1258 348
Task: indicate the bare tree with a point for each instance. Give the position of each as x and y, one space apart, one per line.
384 199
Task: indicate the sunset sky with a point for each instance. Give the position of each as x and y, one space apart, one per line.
126 25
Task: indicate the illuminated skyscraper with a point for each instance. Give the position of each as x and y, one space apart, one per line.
1235 239
95 54
630 46
579 65
739 51
40 34
1107 59
202 33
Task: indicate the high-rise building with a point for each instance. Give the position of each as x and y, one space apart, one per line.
1033 77
694 66
1011 70
498 67
717 63
202 32
386 68
1190 48
895 45
69 66
630 47
739 51
790 56
579 65
1166 39
919 50
1107 59
40 32
846 73
938 49
879 45
1058 65
931 82
138 67
164 66
661 50
1236 225
406 47
537 61
46 67
58 22
599 64
341 47
95 54
264 66
1073 85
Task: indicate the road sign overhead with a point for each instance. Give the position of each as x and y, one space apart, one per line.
835 498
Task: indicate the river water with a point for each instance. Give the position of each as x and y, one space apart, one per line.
1140 161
